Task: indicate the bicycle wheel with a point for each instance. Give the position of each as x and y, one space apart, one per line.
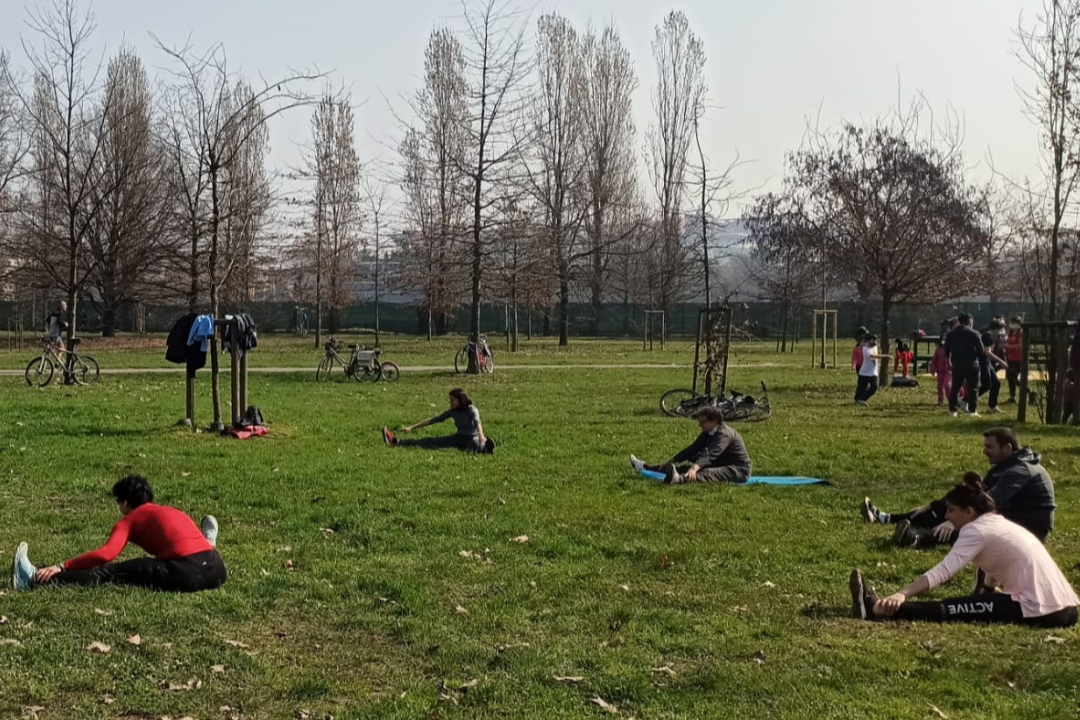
461 361
325 366
681 403
362 373
389 372
39 372
86 371
487 363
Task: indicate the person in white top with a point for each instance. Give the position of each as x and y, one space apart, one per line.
1029 588
868 371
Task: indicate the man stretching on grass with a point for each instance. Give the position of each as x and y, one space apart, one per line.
718 455
1020 487
184 558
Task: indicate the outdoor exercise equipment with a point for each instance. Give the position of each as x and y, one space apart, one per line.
650 318
824 318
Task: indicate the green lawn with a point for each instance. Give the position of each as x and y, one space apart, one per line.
351 597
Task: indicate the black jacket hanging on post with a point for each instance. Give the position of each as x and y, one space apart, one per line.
246 338
176 345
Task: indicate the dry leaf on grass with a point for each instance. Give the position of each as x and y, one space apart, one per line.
624 588
217 669
102 613
134 640
937 711
3 620
759 657
31 711
96 647
769 584
10 641
166 646
510 646
469 684
604 705
1054 639
238 644
460 610
666 670
108 700
191 684
569 679
289 565
521 539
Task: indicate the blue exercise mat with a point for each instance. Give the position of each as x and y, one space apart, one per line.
756 480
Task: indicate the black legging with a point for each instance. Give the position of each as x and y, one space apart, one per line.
989 382
986 608
202 571
929 519
465 443
1012 374
866 387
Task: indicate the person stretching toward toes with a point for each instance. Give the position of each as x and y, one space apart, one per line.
1020 487
1028 588
184 556
717 455
468 438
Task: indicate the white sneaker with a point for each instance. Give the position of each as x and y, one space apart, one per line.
209 527
953 413
22 570
636 464
993 411
973 414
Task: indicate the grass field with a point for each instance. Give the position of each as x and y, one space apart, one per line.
374 582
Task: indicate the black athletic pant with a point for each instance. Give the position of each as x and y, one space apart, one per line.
987 608
202 571
989 382
961 377
720 474
1012 375
866 388
933 517
442 442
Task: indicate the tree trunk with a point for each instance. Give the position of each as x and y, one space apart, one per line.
564 312
215 222
193 269
108 320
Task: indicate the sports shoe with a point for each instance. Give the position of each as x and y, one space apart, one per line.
636 464
671 475
22 570
993 411
209 527
388 437
860 403
1011 401
952 413
905 535
863 598
870 513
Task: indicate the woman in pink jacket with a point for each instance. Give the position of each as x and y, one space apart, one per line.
1028 587
942 368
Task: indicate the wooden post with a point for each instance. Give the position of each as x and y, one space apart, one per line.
243 383
663 329
813 338
835 339
190 383
1054 414
234 375
1025 368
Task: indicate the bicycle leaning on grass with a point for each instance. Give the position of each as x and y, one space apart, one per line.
736 406
361 365
82 369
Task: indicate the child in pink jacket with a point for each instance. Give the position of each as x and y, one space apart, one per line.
942 368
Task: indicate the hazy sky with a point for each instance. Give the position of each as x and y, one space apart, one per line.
772 64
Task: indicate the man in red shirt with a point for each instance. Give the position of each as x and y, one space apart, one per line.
1014 351
184 556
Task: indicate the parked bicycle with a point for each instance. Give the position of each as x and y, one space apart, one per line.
735 406
485 360
83 368
361 365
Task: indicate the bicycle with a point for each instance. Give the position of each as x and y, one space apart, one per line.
362 364
735 407
84 369
485 360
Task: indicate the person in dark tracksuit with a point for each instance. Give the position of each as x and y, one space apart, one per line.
1020 487
717 455
964 348
1024 586
468 438
185 557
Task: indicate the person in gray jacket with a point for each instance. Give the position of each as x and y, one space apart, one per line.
717 455
468 438
1018 484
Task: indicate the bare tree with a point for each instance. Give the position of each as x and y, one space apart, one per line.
435 184
554 161
375 199
715 196
217 123
677 100
336 206
496 69
608 140
129 239
14 141
67 110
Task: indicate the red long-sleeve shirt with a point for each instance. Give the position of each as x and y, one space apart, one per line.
164 532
